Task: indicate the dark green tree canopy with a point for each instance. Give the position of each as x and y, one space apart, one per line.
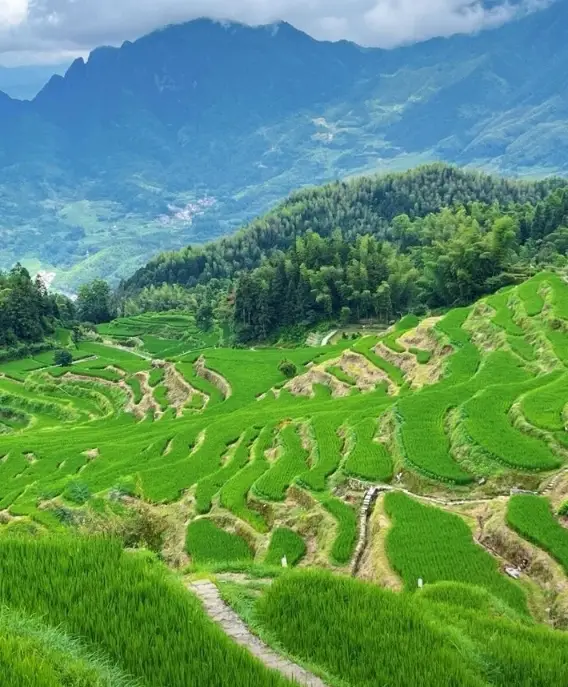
374 248
94 302
383 206
27 311
63 358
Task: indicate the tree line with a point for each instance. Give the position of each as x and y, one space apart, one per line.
367 205
376 247
330 268
446 259
30 315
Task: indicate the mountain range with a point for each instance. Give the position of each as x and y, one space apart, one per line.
185 134
26 82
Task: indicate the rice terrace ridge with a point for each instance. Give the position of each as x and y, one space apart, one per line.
460 419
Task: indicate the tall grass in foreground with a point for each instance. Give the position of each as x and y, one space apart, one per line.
33 654
359 633
506 652
469 597
363 636
128 608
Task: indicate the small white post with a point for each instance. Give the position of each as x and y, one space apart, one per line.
420 583
284 562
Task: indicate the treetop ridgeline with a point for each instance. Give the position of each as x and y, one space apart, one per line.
376 247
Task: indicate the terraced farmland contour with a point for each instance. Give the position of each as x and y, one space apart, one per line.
282 464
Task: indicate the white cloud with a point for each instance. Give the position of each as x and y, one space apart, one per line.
12 13
55 27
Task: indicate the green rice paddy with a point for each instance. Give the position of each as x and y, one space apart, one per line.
532 517
224 424
358 635
248 466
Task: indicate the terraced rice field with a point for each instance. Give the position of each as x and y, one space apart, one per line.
279 463
162 335
285 543
532 517
429 544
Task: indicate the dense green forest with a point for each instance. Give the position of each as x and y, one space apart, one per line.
446 259
28 313
366 205
377 247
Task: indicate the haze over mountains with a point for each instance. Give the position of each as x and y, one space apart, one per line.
187 133
24 83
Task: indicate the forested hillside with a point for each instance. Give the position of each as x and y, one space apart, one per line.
187 133
27 312
375 247
364 205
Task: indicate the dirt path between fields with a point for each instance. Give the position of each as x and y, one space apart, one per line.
364 516
236 629
328 337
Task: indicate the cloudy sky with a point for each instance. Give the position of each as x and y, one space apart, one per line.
33 31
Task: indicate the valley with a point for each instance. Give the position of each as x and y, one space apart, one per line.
189 115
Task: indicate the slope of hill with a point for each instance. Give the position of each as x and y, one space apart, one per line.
186 133
367 205
24 83
217 461
376 247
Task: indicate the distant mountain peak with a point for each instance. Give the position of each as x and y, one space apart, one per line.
78 65
7 103
245 114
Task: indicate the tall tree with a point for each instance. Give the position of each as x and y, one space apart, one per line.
94 302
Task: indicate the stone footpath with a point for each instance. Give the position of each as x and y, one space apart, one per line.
364 514
234 627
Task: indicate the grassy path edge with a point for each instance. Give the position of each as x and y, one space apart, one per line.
236 629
